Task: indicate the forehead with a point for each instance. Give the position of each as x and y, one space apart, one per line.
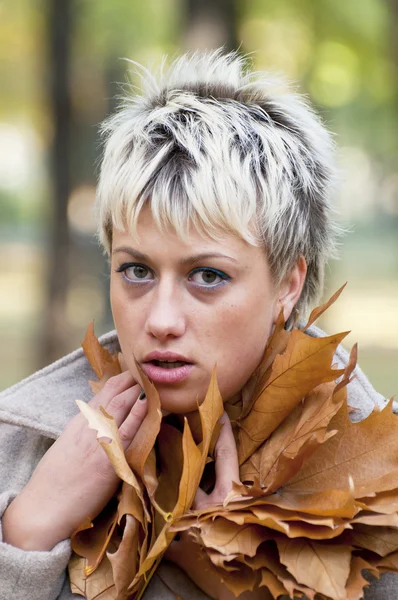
152 240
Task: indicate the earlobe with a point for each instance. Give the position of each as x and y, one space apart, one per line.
291 287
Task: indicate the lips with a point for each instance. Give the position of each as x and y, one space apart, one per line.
166 367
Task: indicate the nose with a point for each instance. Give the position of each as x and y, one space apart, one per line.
165 317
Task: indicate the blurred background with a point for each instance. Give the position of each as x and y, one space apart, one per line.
60 65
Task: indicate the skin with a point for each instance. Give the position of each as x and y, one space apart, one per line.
165 296
178 305
161 301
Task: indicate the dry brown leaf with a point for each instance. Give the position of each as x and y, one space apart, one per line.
381 540
231 539
271 582
356 582
171 465
295 440
384 502
276 344
362 451
142 444
239 581
125 560
91 539
194 460
102 361
387 563
304 365
319 310
98 586
106 427
322 567
320 505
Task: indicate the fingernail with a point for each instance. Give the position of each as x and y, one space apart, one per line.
142 396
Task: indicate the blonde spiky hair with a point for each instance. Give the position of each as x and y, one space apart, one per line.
211 144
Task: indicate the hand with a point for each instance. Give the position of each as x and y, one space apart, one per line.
187 554
74 479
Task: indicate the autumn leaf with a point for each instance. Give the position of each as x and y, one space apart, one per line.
381 540
194 460
103 363
91 539
318 498
138 453
356 582
362 451
319 310
99 586
299 435
322 567
125 560
304 365
106 427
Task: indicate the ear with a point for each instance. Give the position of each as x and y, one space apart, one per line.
291 287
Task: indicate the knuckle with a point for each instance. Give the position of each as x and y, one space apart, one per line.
113 383
222 453
139 410
124 435
117 403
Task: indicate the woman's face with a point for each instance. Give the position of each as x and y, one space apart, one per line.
182 307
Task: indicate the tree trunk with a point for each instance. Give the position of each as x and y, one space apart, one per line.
210 24
59 40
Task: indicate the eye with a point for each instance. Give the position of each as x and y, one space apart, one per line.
208 277
134 272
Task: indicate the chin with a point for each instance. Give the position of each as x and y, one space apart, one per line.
177 402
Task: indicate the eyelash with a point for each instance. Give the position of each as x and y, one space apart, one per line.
224 277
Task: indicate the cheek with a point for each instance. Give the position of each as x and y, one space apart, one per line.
240 345
127 325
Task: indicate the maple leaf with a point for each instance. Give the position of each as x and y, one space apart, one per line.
103 363
304 365
322 567
317 505
362 451
106 427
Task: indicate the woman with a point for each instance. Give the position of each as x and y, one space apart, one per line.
213 205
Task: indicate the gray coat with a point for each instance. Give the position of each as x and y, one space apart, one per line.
33 414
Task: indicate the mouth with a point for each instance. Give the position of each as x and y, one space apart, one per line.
167 370
164 364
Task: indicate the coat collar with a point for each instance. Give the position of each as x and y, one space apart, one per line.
45 401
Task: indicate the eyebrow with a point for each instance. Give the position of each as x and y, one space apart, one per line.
184 261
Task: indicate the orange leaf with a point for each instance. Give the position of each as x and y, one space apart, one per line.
304 365
356 583
363 451
100 359
125 560
91 542
140 448
322 567
319 310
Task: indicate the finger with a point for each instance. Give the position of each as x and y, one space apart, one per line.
226 460
201 500
121 405
113 387
133 421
